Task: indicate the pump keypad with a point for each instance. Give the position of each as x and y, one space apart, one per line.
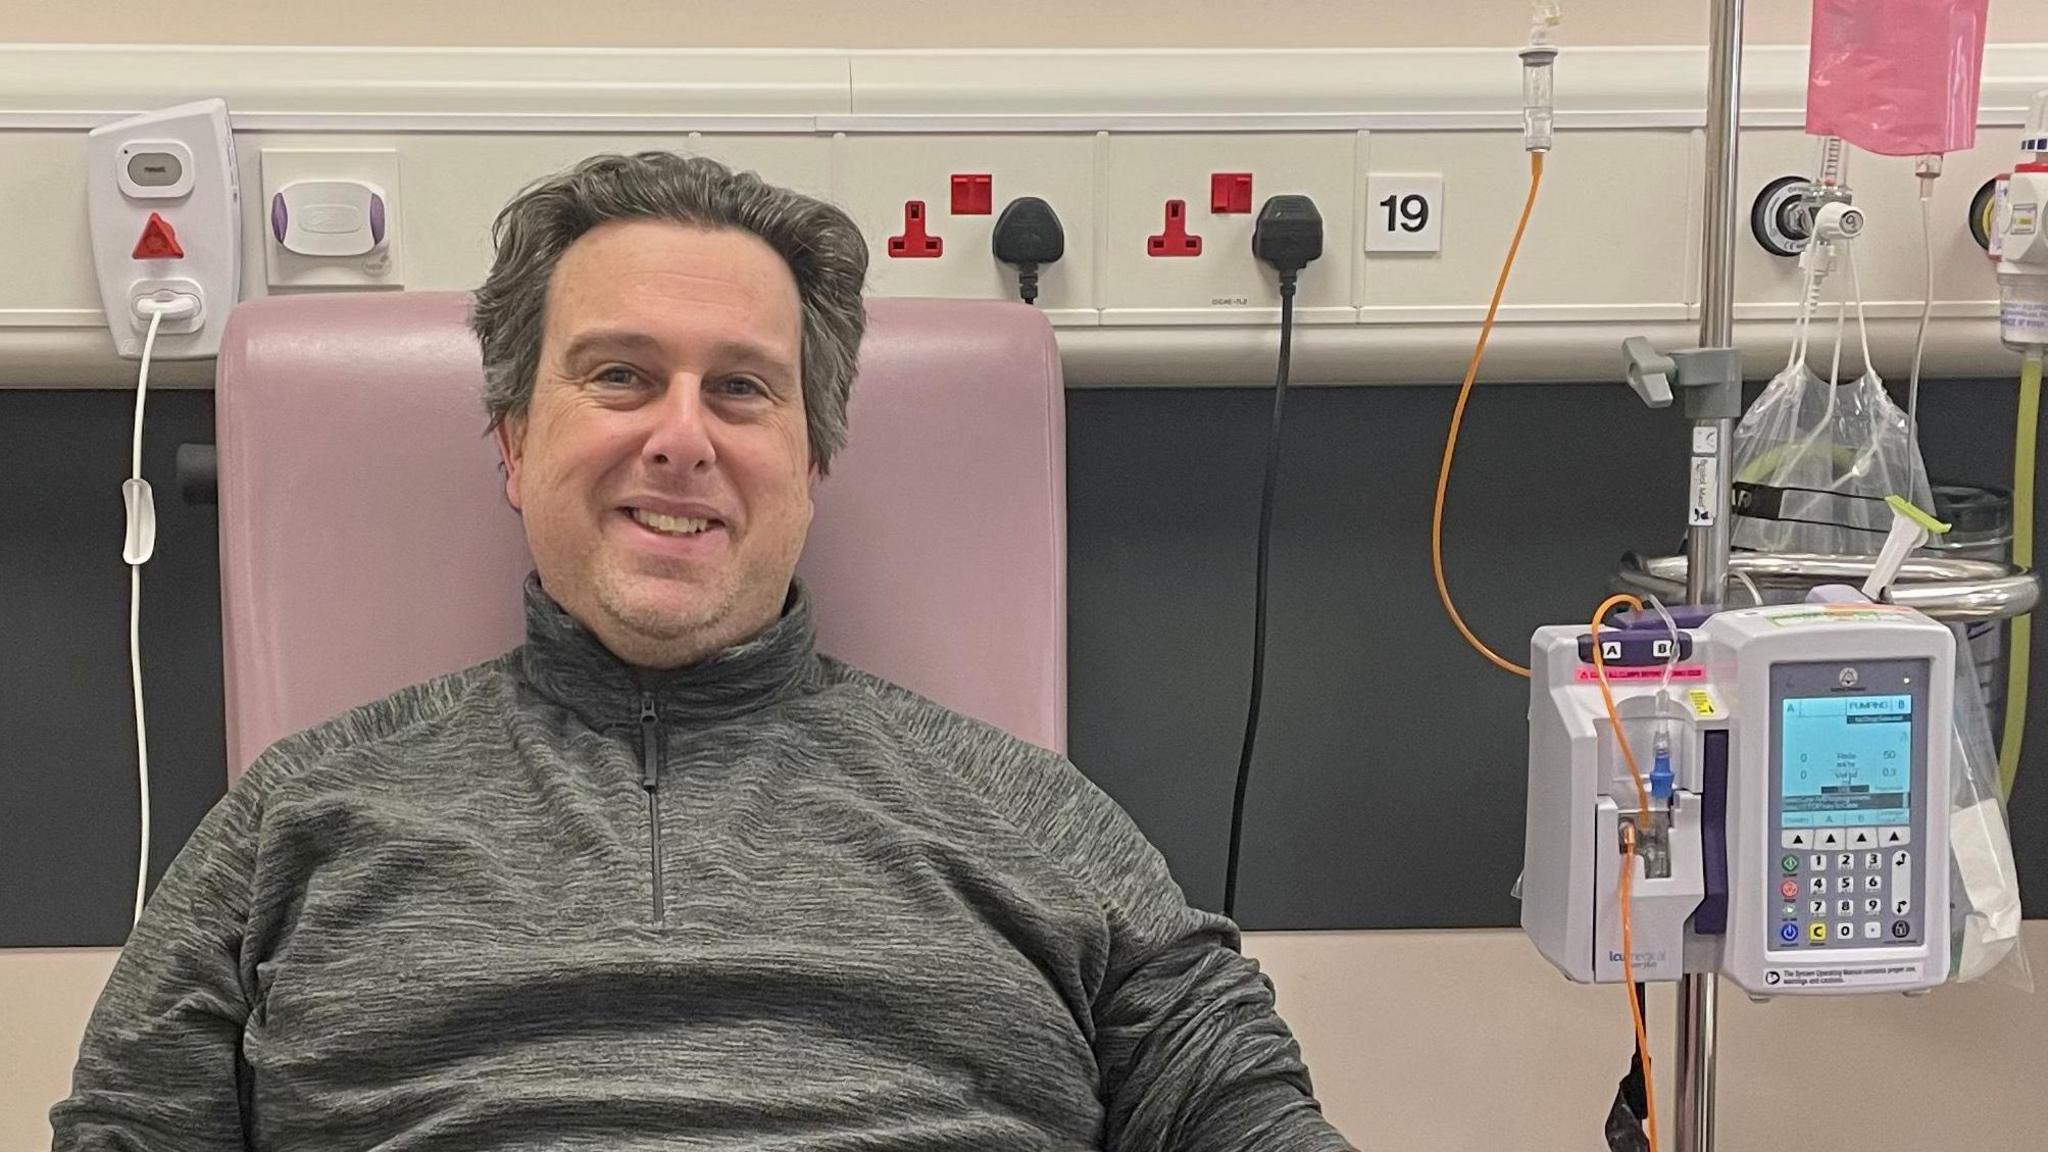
1855 887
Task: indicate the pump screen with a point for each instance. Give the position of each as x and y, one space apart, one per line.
1847 760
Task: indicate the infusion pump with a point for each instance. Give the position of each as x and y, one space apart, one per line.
1796 760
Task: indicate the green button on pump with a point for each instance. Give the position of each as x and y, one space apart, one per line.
1790 863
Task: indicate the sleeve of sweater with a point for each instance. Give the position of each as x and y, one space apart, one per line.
1194 1054
159 1064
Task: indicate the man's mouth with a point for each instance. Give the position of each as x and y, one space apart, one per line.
672 525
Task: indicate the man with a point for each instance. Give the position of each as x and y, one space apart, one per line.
665 876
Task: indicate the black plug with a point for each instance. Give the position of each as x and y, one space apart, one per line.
1028 234
1288 235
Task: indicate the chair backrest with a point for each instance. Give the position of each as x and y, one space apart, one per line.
365 542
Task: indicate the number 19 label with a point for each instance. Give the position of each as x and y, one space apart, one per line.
1404 213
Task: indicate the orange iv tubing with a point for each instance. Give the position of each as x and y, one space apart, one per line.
1443 476
1436 561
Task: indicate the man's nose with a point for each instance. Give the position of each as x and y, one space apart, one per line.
681 436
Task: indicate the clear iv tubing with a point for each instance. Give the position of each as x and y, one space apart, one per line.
1927 174
1841 318
1670 629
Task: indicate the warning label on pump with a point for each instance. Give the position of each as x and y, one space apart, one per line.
1845 977
1703 704
1836 614
1617 675
1706 477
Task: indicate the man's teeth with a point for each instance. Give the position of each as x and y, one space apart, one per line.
670 525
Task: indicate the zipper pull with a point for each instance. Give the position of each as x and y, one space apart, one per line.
650 742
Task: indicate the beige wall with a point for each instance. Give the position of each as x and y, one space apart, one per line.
1462 1040
913 23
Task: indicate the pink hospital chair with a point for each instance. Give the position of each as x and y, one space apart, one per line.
365 542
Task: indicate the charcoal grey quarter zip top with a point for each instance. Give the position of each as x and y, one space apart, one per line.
765 902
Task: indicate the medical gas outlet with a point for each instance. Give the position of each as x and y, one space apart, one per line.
2019 240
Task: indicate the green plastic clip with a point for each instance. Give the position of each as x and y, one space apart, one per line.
1905 507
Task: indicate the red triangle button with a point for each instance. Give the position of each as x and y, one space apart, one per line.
158 241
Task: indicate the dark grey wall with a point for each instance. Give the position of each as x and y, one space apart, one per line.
68 803
1388 786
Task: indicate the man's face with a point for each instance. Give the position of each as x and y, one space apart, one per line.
663 468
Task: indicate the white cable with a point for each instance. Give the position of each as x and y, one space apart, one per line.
1756 597
135 626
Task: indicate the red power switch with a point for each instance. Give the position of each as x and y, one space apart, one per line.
1230 192
158 241
973 195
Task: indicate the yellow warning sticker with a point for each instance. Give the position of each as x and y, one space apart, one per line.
1837 614
1703 704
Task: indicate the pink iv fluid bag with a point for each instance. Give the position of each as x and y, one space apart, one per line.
1896 77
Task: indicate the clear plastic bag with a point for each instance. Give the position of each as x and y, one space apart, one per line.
1815 459
1896 77
1984 886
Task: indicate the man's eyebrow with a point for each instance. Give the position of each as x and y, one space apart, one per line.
748 353
752 354
604 339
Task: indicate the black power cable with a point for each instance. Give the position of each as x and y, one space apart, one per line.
1027 235
1631 1108
1288 235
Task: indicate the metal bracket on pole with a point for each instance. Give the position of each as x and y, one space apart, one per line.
1650 372
1708 379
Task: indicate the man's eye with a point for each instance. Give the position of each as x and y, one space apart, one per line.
744 386
619 376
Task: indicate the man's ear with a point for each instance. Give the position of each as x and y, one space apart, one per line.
511 433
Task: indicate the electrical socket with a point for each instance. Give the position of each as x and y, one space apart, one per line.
878 175
1222 279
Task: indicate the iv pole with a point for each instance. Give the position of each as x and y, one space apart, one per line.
1707 543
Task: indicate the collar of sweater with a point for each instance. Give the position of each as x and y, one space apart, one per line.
566 663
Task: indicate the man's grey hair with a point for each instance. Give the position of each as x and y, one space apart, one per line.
821 244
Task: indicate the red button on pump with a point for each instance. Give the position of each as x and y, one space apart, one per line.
158 241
